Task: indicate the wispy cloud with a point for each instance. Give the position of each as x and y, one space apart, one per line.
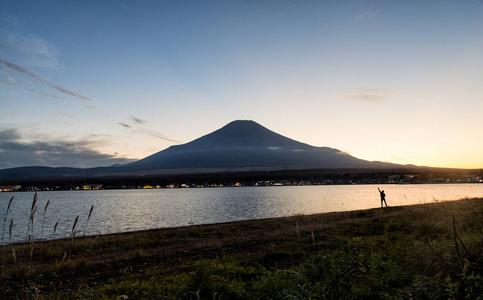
31 50
159 136
20 53
14 83
16 152
365 15
19 70
375 99
65 114
138 124
369 95
137 120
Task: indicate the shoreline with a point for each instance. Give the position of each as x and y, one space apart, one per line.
164 216
108 264
53 189
240 222
234 223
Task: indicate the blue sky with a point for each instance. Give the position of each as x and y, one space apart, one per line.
89 83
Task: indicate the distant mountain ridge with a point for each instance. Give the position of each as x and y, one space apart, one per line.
238 146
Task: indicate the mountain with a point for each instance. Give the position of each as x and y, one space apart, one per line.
238 146
244 145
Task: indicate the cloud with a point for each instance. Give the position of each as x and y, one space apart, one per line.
20 50
159 136
16 152
365 15
31 50
137 120
24 72
14 83
375 99
369 95
9 134
91 107
65 114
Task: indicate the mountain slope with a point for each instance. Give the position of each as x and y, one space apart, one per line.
248 145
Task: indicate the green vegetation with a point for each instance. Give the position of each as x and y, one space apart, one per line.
431 251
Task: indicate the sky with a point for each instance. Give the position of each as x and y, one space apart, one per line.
95 83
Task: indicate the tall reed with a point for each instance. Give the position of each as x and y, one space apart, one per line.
6 217
55 228
43 219
72 234
33 210
90 213
10 231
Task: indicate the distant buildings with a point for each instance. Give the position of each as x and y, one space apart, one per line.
403 179
278 180
92 187
9 188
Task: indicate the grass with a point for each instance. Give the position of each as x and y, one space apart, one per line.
431 251
6 218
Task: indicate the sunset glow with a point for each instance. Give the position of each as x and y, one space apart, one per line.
85 84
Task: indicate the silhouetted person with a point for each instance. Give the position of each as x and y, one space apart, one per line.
383 197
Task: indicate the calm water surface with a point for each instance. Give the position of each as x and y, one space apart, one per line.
130 210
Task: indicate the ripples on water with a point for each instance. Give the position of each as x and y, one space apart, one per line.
130 210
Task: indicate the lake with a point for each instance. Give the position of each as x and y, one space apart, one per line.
131 210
